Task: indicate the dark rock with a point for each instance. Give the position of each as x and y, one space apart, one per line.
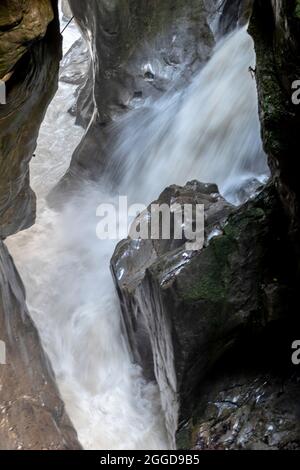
21 23
234 13
275 28
184 309
32 414
245 411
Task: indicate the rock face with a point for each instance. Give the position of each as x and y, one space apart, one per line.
30 86
32 412
21 22
183 310
140 49
66 10
275 29
234 13
75 64
246 411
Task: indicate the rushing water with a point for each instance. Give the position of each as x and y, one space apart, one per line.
209 132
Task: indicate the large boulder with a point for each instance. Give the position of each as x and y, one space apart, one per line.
184 309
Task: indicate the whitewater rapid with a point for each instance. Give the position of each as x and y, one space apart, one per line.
210 132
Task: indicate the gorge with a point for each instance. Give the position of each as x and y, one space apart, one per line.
150 346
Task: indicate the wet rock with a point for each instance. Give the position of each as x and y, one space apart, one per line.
66 10
248 189
245 411
29 90
21 23
74 69
234 13
275 29
184 309
32 414
138 49
75 64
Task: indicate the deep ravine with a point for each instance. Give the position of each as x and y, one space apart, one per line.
65 268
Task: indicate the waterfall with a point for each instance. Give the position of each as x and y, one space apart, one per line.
209 131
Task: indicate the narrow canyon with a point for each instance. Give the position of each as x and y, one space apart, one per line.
142 343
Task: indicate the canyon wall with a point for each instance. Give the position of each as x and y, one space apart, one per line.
140 50
32 412
203 324
275 27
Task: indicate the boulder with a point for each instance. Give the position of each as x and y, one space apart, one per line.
184 309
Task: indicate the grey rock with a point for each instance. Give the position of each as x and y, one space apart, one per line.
138 49
184 309
66 10
75 64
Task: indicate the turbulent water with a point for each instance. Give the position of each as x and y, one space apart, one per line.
209 132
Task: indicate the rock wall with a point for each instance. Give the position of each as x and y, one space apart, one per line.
21 22
140 49
66 10
170 306
244 409
275 27
183 310
31 71
32 412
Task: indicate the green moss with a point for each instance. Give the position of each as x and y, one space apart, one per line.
211 282
211 279
184 438
297 9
